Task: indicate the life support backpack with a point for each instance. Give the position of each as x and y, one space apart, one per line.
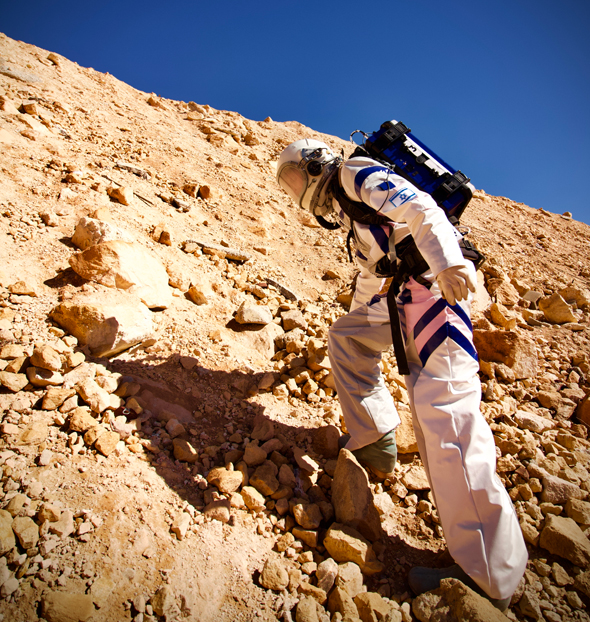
395 147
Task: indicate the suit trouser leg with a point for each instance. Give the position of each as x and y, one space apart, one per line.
456 444
355 343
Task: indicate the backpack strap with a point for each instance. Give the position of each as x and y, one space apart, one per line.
356 210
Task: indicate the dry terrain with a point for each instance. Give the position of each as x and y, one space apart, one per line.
168 422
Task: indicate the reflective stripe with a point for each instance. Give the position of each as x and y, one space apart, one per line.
363 174
446 331
437 308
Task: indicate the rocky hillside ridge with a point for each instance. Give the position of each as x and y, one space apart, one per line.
169 443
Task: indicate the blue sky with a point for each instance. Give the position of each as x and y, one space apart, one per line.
501 90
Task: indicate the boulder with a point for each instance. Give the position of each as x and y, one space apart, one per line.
352 497
107 323
507 347
127 266
90 231
562 536
556 310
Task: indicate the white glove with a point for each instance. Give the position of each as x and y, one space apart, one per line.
454 283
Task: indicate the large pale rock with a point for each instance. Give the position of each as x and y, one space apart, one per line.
455 602
352 497
108 323
562 536
250 313
65 607
556 310
90 231
127 266
557 490
515 351
481 300
345 544
532 422
577 295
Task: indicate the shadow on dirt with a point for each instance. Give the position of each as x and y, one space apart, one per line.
218 411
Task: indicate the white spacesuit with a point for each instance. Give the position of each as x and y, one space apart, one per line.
455 442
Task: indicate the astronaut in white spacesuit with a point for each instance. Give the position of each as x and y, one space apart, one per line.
456 444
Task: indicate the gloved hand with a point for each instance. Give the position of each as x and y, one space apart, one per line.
454 283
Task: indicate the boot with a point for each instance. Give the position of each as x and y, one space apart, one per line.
378 457
426 579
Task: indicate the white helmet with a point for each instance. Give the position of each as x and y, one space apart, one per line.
303 172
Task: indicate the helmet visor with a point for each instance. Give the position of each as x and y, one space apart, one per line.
293 180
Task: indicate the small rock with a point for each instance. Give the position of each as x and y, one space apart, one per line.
184 451
415 479
180 525
346 544
253 499
46 358
107 442
326 574
274 575
13 382
43 377
352 497
64 526
164 603
219 510
226 481
81 420
7 539
26 530
122 194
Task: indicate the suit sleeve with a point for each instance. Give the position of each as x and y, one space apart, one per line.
375 185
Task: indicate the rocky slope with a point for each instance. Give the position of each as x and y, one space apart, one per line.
169 424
